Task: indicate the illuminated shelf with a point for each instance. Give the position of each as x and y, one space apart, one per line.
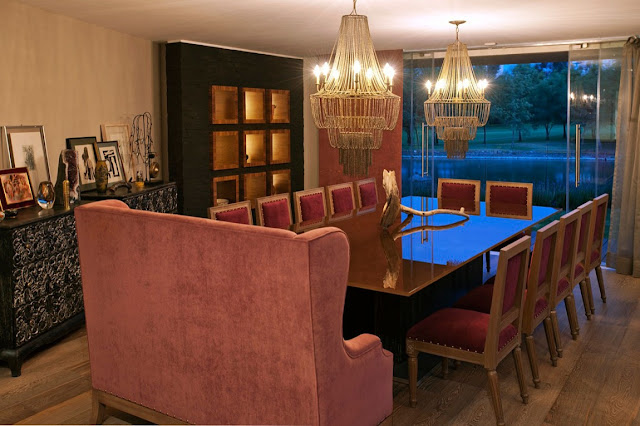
226 188
255 148
224 105
280 148
279 181
224 150
253 105
279 101
255 186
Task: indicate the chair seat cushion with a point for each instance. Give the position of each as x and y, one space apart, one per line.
460 329
563 284
276 214
541 305
312 206
342 200
595 256
579 269
239 215
368 196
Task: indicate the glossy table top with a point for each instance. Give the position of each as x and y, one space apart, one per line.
406 264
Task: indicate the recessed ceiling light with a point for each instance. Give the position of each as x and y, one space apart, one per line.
491 43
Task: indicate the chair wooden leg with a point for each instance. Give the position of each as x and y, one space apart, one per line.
413 377
548 331
517 358
533 360
585 299
98 410
570 306
494 394
590 294
556 332
445 367
603 294
487 257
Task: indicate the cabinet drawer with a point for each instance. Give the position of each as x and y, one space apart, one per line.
43 239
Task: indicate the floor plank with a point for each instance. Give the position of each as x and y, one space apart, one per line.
597 382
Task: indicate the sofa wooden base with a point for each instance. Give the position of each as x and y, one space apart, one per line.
101 400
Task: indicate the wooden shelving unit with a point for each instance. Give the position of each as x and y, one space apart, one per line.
279 181
255 186
253 105
224 150
226 188
255 148
224 105
279 101
280 146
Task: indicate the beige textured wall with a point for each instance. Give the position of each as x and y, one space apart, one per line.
71 77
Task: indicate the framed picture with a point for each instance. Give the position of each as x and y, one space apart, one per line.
86 151
109 152
121 134
15 188
28 148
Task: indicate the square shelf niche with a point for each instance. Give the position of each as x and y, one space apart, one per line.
226 188
224 105
255 148
280 146
224 150
253 105
255 186
279 101
279 182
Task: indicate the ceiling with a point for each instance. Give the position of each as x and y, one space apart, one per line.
309 28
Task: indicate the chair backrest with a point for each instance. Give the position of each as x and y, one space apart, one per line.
367 192
212 318
310 204
509 199
586 231
235 212
508 291
541 280
567 246
340 198
274 211
599 219
456 193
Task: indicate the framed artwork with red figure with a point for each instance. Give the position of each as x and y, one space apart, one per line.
15 188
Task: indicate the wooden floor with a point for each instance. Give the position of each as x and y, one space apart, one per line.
597 382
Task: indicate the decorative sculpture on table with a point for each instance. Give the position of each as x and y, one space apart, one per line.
393 206
68 170
141 144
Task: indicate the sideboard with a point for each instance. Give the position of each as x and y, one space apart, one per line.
40 282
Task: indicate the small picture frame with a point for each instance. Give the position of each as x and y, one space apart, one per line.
15 188
109 152
86 151
27 147
121 134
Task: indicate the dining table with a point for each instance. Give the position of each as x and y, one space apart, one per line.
401 274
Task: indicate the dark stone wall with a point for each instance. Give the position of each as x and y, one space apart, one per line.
191 71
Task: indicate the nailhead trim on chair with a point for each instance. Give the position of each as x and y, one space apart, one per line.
453 347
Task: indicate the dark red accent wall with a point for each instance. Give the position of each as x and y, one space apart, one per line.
389 156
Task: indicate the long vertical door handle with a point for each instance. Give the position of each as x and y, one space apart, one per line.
578 137
422 156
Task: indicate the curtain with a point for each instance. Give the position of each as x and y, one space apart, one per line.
623 251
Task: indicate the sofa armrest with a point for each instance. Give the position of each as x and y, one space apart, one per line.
362 344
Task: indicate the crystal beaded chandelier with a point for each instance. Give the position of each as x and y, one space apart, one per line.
457 106
354 99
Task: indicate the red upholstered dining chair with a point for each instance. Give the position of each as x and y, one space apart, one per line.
477 337
340 198
456 193
566 251
584 238
309 204
367 192
598 218
274 211
540 284
236 213
509 199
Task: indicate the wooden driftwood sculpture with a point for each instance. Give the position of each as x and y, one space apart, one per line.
393 206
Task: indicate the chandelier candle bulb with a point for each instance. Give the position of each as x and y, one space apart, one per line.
428 84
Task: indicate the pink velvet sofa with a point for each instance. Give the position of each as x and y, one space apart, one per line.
204 321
